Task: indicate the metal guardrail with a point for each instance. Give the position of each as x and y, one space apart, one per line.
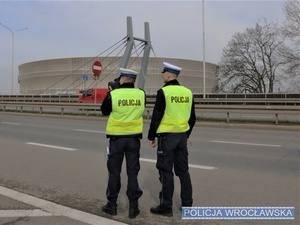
228 110
43 107
87 109
251 101
39 98
229 99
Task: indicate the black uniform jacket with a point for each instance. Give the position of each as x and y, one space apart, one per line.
159 109
106 109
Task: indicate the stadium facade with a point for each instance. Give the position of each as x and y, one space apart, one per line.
69 75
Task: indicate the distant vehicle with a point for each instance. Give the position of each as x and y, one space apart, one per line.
93 95
80 92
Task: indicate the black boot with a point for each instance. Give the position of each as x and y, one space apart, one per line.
133 212
159 210
110 209
133 209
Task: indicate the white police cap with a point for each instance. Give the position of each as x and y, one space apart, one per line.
171 68
128 73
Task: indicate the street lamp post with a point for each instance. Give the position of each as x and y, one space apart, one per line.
12 53
203 31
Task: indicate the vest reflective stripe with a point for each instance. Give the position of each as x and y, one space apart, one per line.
128 105
178 109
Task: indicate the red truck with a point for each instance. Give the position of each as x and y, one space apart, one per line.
93 95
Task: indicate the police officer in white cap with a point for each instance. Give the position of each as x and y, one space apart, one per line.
125 107
172 122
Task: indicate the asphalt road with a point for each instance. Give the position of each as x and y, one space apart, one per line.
63 160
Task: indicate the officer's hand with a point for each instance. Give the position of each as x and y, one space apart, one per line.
152 143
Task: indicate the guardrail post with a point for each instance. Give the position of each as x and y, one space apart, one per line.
148 114
4 108
41 110
227 117
62 111
276 119
87 113
21 108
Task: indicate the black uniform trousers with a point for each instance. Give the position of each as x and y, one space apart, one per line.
118 147
172 151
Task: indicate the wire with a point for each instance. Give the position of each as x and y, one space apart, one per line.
138 49
65 77
103 69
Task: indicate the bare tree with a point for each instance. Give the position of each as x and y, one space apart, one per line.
292 15
251 62
291 49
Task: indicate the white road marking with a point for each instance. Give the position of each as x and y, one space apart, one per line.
51 146
148 160
90 131
244 143
190 165
9 123
23 213
202 167
57 210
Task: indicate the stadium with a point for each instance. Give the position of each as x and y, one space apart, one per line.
70 75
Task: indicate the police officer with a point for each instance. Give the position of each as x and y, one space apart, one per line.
125 106
172 122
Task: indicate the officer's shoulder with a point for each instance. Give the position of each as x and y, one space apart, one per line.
160 91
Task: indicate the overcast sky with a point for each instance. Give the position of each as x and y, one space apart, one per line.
59 29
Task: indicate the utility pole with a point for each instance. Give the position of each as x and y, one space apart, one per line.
12 54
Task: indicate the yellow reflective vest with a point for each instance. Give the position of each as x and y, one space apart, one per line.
178 109
126 118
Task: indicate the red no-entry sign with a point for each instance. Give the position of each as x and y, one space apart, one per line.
97 68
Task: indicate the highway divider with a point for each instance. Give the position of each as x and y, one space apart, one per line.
224 110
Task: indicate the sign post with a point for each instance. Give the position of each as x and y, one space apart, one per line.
85 77
97 69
